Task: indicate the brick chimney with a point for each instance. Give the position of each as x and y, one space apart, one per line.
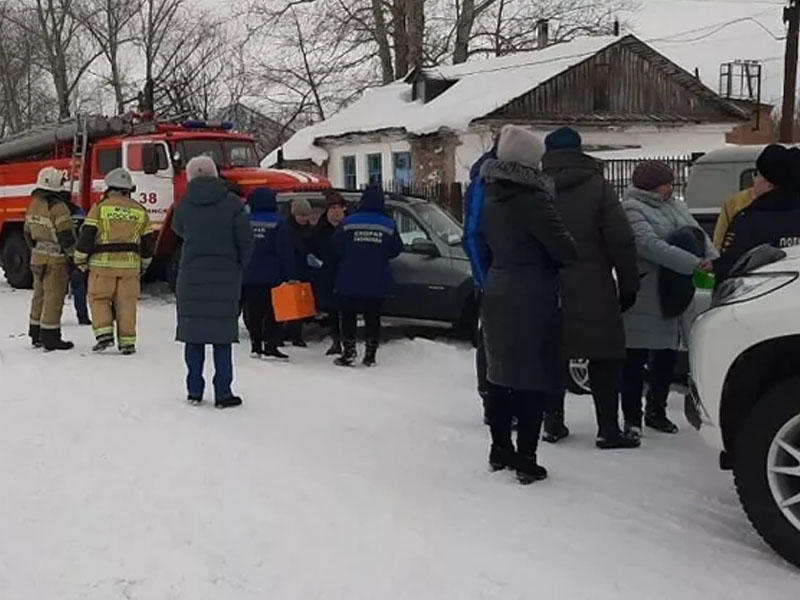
542 33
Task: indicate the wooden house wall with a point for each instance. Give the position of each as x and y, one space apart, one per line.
619 83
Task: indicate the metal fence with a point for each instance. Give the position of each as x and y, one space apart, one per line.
618 171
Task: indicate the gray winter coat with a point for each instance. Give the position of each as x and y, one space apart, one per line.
593 215
520 310
217 245
653 219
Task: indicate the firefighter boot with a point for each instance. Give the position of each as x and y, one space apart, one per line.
51 340
34 332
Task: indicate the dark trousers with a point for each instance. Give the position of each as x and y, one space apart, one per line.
605 377
77 284
195 357
370 308
528 406
334 323
480 370
259 317
661 365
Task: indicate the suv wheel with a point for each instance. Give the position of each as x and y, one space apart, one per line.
578 376
16 261
767 468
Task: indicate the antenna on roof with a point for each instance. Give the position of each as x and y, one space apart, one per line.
616 27
279 164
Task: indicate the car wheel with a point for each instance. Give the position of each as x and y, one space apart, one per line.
767 468
578 376
16 261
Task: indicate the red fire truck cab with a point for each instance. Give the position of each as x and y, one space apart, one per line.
155 154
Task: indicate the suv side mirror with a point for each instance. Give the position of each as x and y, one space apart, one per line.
425 247
150 159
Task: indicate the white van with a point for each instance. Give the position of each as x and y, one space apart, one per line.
715 177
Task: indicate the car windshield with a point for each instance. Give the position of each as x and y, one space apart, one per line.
238 153
442 224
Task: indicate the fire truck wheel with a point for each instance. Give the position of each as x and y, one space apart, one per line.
16 261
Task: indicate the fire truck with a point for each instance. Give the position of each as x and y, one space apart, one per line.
155 153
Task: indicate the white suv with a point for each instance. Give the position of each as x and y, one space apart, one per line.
745 390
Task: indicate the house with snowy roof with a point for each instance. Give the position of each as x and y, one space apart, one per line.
625 97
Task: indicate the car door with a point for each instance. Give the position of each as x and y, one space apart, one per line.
155 192
422 281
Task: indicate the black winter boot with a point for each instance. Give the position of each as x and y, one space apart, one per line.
370 354
349 355
335 349
618 441
528 471
104 342
128 350
273 352
502 458
34 332
657 419
256 349
228 402
554 428
51 340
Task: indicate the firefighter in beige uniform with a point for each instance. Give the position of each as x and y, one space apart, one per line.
50 235
116 244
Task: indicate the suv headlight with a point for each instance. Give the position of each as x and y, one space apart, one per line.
749 287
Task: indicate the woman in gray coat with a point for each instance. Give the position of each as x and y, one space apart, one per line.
520 311
217 245
651 338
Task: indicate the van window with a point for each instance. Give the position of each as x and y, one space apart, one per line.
109 159
746 179
711 185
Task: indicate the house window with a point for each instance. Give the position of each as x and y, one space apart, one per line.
349 172
375 169
401 169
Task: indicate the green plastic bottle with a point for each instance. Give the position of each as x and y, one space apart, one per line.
703 280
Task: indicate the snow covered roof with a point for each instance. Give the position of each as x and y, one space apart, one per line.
482 87
717 32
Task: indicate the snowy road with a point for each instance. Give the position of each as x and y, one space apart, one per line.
339 484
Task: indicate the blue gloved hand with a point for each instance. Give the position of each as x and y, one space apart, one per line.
313 261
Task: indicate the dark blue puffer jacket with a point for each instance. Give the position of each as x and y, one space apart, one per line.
365 242
474 240
271 264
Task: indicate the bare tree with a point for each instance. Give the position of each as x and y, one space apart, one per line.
108 22
415 24
54 30
467 11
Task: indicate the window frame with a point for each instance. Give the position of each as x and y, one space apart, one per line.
349 159
116 151
369 168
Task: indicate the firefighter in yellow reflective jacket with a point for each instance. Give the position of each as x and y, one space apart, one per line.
116 244
51 237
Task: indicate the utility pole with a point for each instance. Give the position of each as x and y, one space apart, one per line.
791 15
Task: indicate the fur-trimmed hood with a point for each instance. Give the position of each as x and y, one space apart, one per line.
495 170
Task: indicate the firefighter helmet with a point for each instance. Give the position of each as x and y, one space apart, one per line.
120 179
50 179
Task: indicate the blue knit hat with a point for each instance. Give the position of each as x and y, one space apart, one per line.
563 138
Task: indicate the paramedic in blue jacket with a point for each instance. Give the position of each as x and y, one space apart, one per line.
270 266
480 257
364 244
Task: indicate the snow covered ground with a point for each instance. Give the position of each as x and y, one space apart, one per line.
340 484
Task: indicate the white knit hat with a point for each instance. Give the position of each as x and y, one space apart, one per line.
517 144
201 166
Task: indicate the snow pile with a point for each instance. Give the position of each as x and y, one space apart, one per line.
330 483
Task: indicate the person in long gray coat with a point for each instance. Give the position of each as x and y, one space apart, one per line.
520 312
592 300
651 337
217 245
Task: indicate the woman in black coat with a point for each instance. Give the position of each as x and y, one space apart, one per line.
593 301
324 278
520 312
217 245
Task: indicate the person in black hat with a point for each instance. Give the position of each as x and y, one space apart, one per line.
592 299
774 216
